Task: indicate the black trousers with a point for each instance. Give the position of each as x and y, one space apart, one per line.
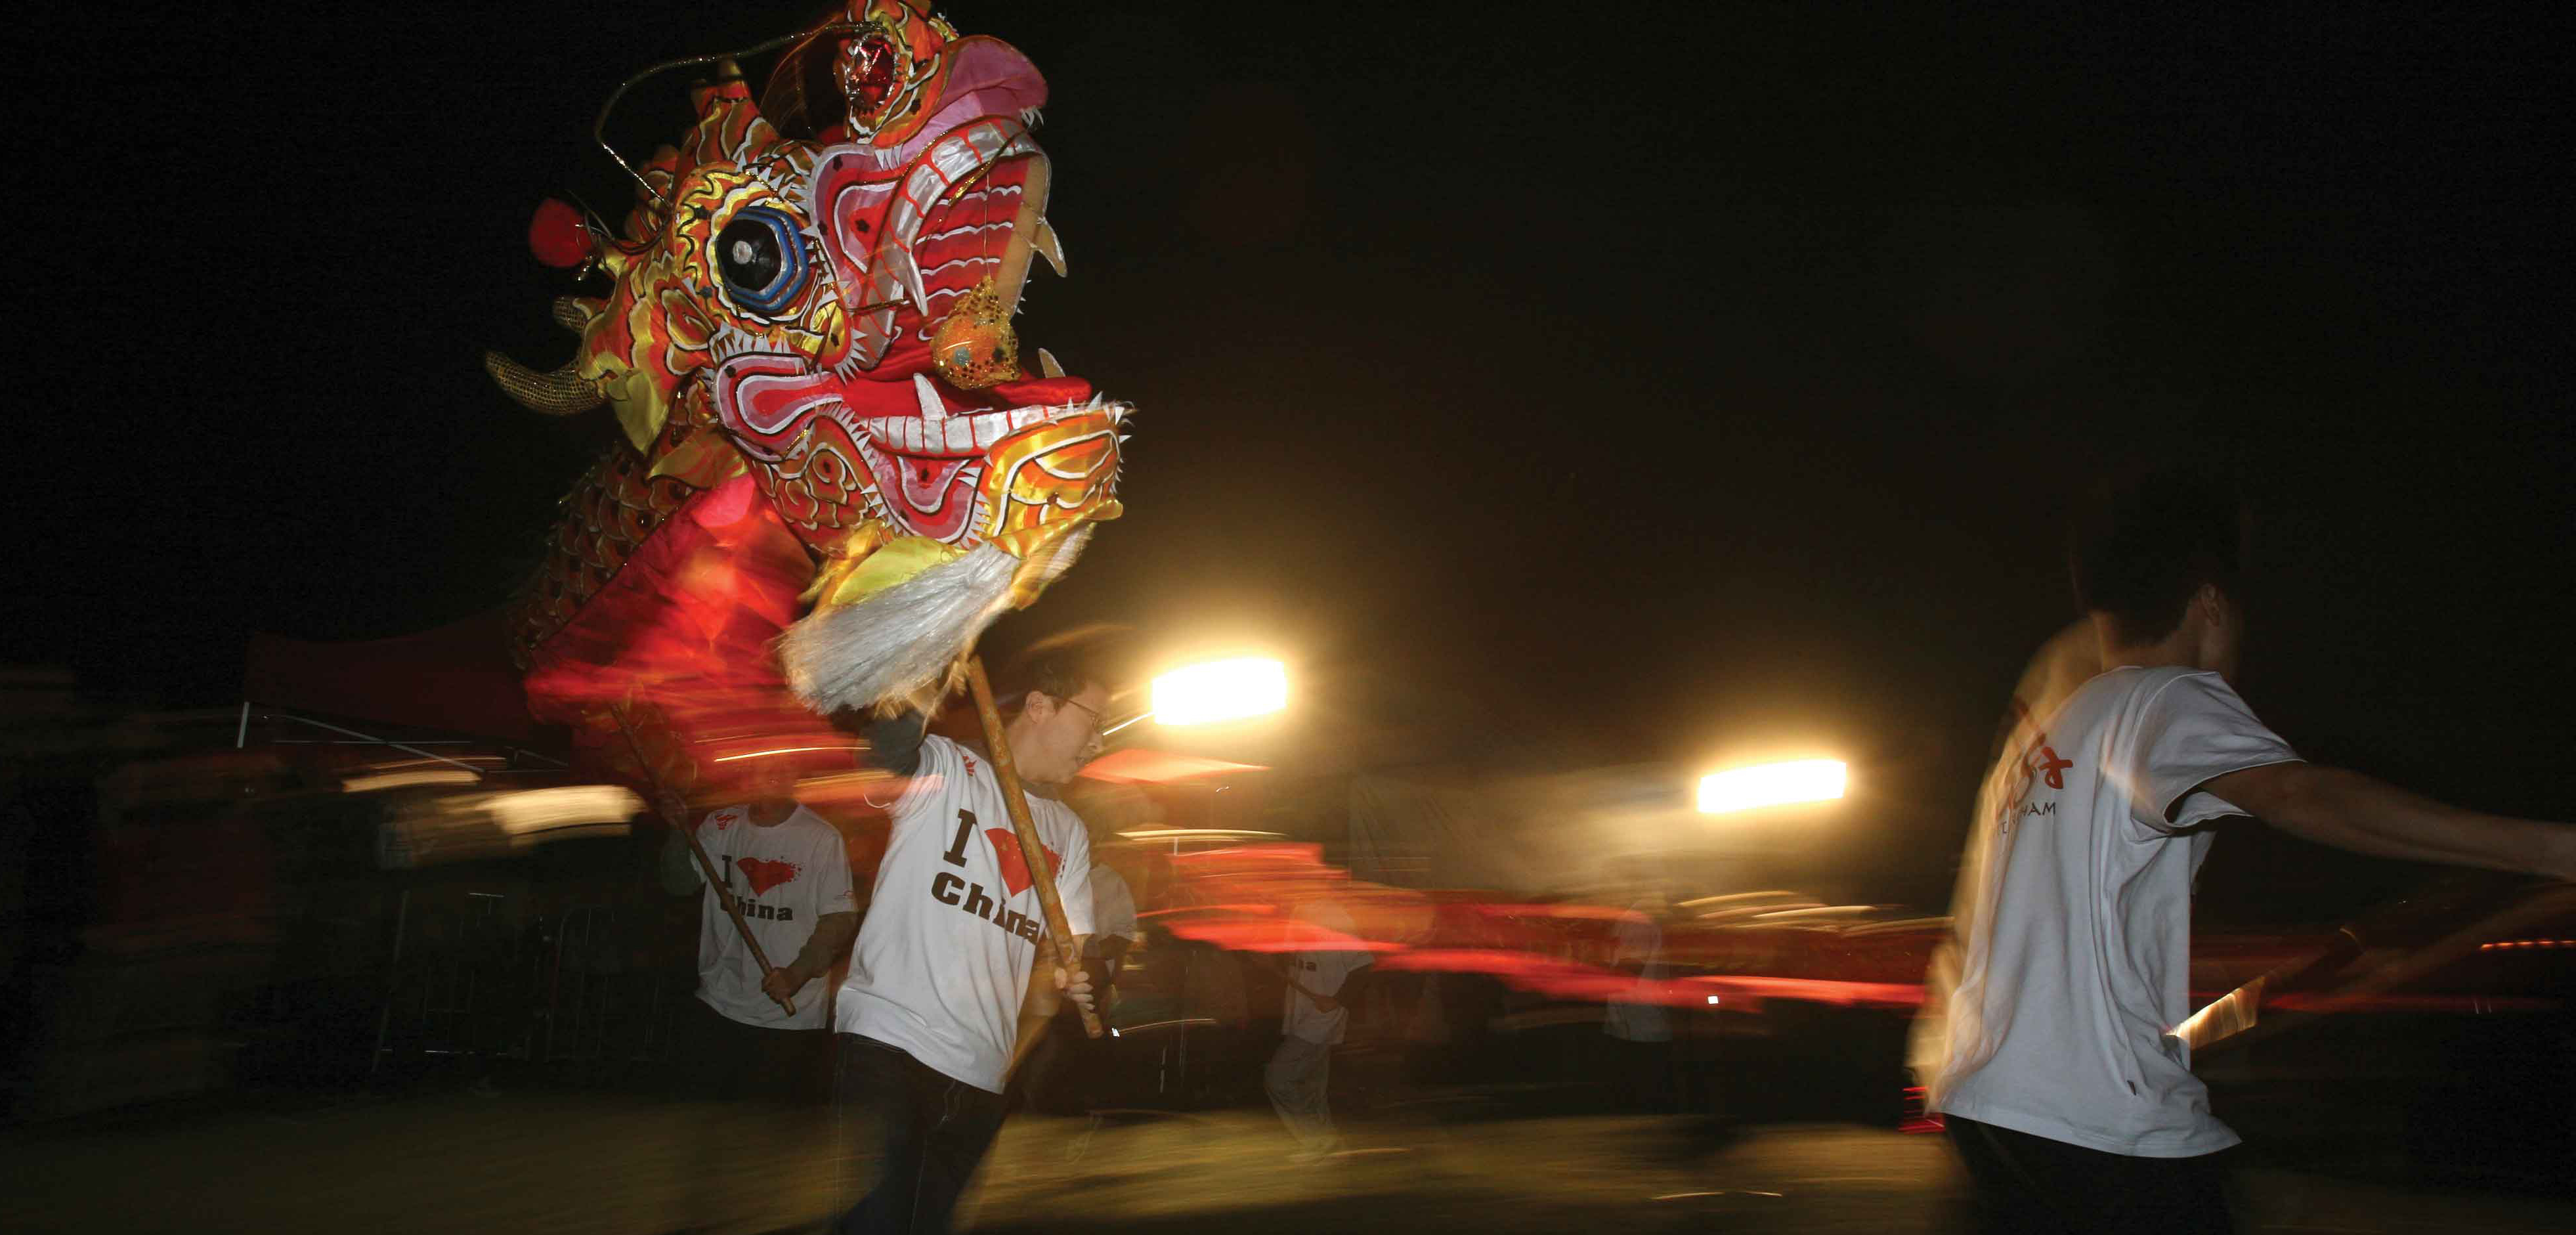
758 1090
936 1130
2024 1183
1643 1078
719 1059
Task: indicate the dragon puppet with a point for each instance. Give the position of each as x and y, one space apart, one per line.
835 468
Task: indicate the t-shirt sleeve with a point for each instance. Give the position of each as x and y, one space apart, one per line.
1114 904
1073 883
833 894
1341 964
1636 940
2193 730
1335 969
935 760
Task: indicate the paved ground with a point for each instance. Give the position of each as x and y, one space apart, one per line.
568 1163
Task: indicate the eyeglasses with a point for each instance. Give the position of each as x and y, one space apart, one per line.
1094 715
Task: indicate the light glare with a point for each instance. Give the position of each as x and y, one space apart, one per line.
1772 784
372 782
564 806
1220 690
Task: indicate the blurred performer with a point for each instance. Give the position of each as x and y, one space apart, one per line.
1113 910
1638 1024
1321 987
737 1042
1063 1068
2049 1038
953 964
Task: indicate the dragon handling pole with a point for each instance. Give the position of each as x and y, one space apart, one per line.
706 865
1007 772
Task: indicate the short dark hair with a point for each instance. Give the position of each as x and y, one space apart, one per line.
1060 666
2143 546
1056 677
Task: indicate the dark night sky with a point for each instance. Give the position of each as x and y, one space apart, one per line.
1658 385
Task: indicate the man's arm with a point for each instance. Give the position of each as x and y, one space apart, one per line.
894 743
2348 810
1288 974
1327 1003
828 944
1111 950
1354 985
894 748
678 869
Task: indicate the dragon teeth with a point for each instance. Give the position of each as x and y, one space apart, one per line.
1050 246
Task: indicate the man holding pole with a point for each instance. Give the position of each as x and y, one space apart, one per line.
1322 983
783 868
947 976
755 1037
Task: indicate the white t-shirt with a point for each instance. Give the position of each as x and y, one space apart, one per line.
1322 973
2073 930
943 959
787 876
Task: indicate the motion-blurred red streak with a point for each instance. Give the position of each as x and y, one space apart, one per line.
1573 952
2328 1001
1818 990
1270 933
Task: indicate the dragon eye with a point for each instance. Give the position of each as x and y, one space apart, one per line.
762 260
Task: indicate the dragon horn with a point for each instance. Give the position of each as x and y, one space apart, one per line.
559 393
574 313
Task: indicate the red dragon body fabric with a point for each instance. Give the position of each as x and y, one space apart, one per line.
835 468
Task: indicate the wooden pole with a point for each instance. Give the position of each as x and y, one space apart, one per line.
1031 851
724 896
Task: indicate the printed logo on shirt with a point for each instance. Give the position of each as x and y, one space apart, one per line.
1015 866
2050 764
950 888
765 874
2036 764
762 874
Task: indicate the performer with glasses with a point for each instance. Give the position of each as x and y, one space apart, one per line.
953 965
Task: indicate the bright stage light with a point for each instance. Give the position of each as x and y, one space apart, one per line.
1772 784
1220 690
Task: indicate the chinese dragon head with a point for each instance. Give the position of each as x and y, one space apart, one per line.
829 427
